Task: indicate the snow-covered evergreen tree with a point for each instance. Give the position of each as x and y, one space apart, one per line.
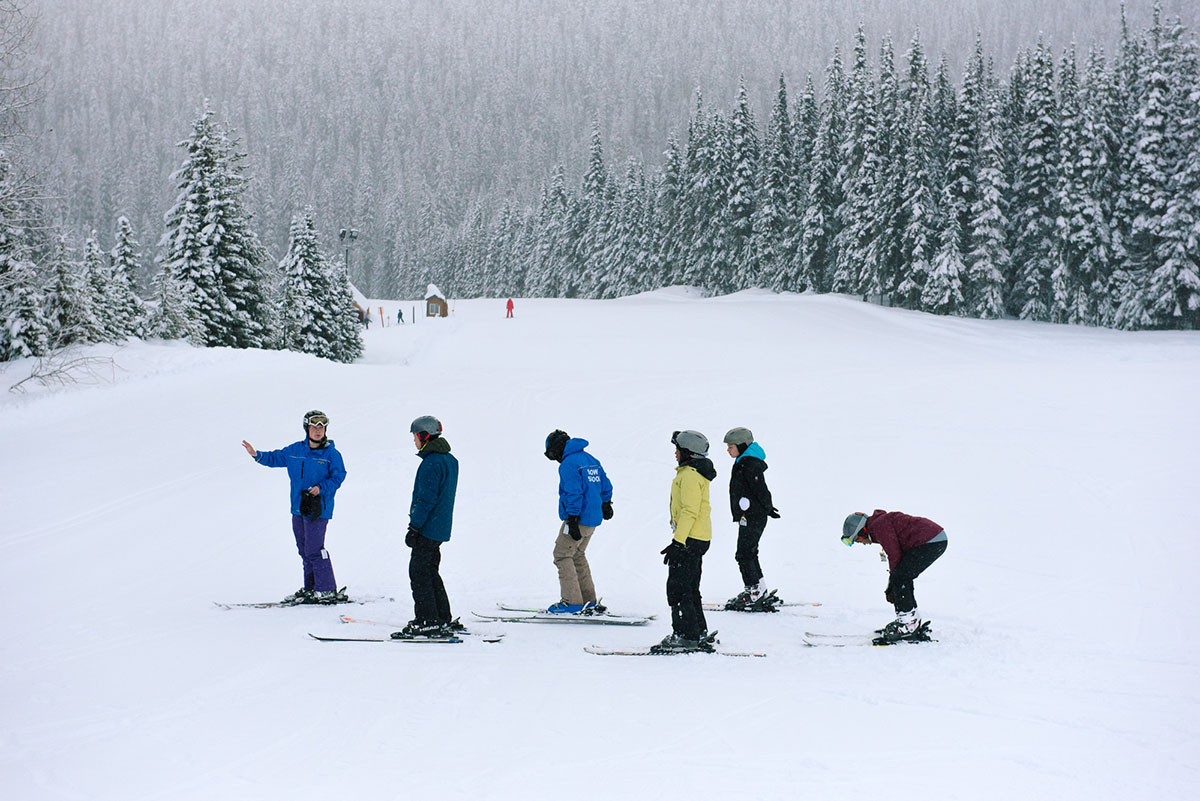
1035 207
211 254
773 213
819 227
97 324
856 264
988 259
127 308
920 238
1173 292
742 198
23 328
942 293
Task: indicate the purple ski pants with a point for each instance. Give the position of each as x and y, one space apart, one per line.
310 542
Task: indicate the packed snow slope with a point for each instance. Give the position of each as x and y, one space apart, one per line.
1062 462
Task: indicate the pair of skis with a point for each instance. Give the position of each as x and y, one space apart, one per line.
876 639
365 599
523 614
456 637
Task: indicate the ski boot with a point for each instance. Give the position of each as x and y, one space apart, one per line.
675 644
564 608
739 602
301 596
329 597
417 629
906 626
593 608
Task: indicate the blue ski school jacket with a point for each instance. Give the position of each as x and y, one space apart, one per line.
582 485
432 509
309 467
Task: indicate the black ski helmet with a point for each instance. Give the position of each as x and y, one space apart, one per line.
555 442
427 426
691 441
316 418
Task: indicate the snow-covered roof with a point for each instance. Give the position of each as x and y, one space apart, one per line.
433 292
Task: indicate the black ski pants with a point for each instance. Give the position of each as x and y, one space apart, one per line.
747 551
683 591
912 564
430 604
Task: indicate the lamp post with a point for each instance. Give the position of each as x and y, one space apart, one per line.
347 236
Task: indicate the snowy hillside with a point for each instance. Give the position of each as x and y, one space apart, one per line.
1061 460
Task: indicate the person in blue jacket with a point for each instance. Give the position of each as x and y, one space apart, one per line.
584 501
430 518
315 471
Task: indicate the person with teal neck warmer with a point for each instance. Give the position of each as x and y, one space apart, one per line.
750 504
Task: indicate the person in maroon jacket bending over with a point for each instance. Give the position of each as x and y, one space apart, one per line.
911 545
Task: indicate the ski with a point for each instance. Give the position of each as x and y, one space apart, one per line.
430 640
842 640
366 599
602 651
546 617
724 608
399 626
542 610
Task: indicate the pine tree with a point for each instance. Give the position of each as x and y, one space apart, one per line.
920 237
23 329
773 214
889 201
1036 207
742 198
988 259
96 316
856 264
128 310
1174 285
820 223
211 255
942 293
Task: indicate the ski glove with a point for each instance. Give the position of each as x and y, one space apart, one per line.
573 528
773 513
606 510
310 505
410 538
674 553
889 596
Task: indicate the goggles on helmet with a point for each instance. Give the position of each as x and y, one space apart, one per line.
316 420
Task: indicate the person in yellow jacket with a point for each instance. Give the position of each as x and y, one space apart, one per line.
691 522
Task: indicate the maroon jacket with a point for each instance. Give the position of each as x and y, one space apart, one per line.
898 533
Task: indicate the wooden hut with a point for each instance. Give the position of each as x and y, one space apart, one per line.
435 303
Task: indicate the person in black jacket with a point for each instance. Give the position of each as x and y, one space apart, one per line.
750 504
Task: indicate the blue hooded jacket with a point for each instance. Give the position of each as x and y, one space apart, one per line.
309 467
582 485
432 508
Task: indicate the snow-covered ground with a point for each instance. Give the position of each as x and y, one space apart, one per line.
1062 461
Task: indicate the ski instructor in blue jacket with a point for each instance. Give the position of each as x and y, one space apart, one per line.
315 470
584 501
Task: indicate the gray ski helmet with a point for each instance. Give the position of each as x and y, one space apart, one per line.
555 442
690 441
739 436
315 418
427 426
853 526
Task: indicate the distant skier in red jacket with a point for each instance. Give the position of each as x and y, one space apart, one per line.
508 307
911 544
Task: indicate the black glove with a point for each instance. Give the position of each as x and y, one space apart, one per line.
573 528
410 538
889 596
673 554
773 513
310 505
606 510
